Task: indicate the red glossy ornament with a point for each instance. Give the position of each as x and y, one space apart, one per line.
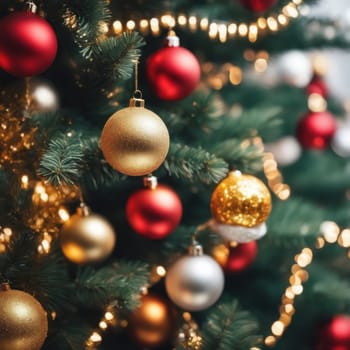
316 129
241 257
154 213
317 86
28 44
173 72
258 5
335 335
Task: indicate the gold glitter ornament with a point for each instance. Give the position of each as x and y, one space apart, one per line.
135 140
23 321
241 199
87 238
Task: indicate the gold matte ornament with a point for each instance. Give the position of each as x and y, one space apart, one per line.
23 321
87 238
135 140
241 199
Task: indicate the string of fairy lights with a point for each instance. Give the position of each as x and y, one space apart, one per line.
330 233
216 30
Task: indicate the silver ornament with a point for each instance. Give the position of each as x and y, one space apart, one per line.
239 234
341 142
195 282
286 150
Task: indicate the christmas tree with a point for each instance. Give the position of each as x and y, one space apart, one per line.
174 175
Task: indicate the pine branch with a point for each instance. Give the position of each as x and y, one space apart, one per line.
293 223
119 54
70 336
61 164
88 14
227 327
121 281
245 158
194 164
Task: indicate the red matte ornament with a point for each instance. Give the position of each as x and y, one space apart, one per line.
258 5
317 86
154 213
173 73
316 129
335 335
241 257
28 44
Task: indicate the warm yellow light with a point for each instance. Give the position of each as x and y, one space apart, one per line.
192 23
182 20
272 24
213 30
109 316
154 24
330 231
130 25
95 337
161 271
290 10
262 24
103 26
270 341
235 75
117 27
260 65
282 19
24 181
232 29
277 328
320 242
242 29
103 325
222 29
63 214
297 289
168 21
253 33
344 238
204 24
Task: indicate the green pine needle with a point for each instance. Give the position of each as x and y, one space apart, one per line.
228 327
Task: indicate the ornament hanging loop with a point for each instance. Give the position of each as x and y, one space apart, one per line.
31 7
137 92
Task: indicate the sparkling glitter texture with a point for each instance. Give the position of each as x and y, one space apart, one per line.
241 199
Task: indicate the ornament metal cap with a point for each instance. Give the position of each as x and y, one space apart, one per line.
4 287
195 249
172 40
83 209
31 7
137 102
150 181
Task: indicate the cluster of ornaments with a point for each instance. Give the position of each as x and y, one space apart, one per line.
240 205
318 129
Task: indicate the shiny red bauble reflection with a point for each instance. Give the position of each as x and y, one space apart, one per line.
258 5
173 73
241 257
28 44
316 129
154 213
335 335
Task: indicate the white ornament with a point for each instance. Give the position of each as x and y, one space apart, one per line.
194 282
341 142
286 150
239 234
295 68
